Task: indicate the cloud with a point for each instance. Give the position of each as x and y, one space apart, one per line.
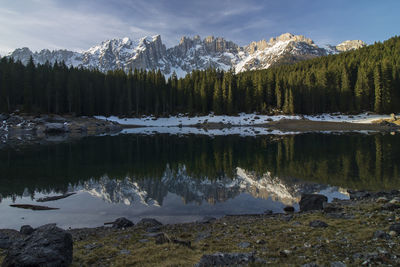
80 24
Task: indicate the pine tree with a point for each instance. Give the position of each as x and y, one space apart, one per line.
378 106
217 99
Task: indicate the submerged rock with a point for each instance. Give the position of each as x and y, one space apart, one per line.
312 202
55 128
47 246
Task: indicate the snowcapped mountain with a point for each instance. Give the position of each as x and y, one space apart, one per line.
190 54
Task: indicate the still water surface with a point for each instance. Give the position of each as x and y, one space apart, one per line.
184 178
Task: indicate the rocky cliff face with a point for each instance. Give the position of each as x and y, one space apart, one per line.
190 54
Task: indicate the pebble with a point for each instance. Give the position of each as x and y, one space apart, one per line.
392 233
318 224
338 264
395 200
244 244
381 235
124 252
285 253
382 200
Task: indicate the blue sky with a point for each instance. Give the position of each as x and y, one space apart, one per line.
80 24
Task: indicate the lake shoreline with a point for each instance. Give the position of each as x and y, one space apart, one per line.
351 232
16 130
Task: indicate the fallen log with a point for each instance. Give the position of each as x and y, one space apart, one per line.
46 199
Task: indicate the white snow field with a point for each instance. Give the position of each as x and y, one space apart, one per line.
243 119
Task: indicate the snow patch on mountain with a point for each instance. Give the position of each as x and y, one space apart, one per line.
190 54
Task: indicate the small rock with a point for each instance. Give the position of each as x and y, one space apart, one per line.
340 215
122 223
356 195
92 246
393 233
382 200
395 200
162 238
318 224
285 253
124 252
287 218
226 259
338 264
381 235
153 229
26 230
312 202
260 242
395 227
143 240
207 219
288 209
202 236
268 212
331 207
390 206
311 264
244 244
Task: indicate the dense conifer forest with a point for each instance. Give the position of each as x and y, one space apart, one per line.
367 79
353 161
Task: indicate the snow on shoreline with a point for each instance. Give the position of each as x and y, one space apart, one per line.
242 119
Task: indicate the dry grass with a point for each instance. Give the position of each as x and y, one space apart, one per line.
338 242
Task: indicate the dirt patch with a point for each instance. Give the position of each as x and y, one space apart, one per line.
314 126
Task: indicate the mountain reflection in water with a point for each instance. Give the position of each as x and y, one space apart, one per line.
178 176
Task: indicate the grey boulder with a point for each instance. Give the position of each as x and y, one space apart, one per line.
312 202
47 246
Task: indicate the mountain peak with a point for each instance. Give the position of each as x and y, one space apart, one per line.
350 45
192 53
291 37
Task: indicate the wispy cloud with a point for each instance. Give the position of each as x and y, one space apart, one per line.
79 24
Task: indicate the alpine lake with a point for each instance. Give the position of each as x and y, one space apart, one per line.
183 178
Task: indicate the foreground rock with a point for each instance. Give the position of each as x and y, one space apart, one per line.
47 246
312 202
226 259
121 223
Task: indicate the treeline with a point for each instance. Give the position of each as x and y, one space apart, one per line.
367 79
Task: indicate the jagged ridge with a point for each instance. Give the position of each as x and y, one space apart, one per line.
190 54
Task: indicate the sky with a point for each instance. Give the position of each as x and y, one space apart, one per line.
79 24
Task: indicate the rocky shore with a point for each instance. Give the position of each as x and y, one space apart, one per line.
20 129
362 231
